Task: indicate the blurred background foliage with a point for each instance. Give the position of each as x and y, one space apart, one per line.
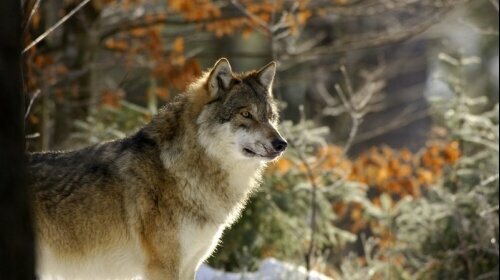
390 108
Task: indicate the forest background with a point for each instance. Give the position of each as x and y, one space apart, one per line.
390 108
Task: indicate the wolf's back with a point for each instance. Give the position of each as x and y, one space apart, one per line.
102 164
69 171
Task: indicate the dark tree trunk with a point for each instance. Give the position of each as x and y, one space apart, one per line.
16 236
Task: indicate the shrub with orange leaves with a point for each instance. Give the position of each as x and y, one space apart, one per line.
401 172
383 168
389 172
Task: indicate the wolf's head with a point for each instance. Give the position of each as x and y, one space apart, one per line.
239 119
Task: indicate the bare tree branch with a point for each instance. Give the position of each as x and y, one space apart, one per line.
356 104
363 41
55 26
403 120
32 100
33 11
261 25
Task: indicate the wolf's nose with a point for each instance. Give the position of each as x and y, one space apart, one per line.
279 145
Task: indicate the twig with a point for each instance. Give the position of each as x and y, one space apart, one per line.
314 188
32 13
368 40
32 100
356 104
487 181
481 30
488 275
350 89
344 99
480 141
55 26
262 24
356 117
356 122
400 121
33 135
495 4
314 210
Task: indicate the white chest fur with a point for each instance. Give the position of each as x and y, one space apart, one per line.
197 244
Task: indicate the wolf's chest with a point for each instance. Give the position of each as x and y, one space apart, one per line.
197 243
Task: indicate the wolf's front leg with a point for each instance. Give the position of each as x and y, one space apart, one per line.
162 266
161 250
188 276
161 272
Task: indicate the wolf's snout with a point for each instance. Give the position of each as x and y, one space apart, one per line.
279 144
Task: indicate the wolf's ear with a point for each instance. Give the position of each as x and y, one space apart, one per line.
220 76
266 75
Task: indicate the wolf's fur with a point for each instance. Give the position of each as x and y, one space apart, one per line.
155 204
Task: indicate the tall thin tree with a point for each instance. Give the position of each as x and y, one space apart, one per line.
16 235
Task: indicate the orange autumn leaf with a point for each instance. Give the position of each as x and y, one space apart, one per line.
356 211
283 165
404 170
340 208
425 177
246 32
178 45
410 186
162 93
394 165
376 157
406 155
392 187
387 152
382 175
117 45
111 98
265 17
138 32
452 152
33 119
42 61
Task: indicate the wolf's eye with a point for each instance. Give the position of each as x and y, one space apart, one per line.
246 114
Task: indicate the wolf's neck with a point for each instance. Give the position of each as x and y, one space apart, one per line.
203 176
202 164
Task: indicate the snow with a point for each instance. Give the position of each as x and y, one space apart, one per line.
270 269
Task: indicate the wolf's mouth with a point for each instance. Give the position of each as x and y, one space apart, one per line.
249 153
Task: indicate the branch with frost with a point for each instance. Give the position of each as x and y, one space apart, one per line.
357 104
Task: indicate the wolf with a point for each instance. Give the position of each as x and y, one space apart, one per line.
154 204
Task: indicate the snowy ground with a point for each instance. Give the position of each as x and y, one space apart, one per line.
270 269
